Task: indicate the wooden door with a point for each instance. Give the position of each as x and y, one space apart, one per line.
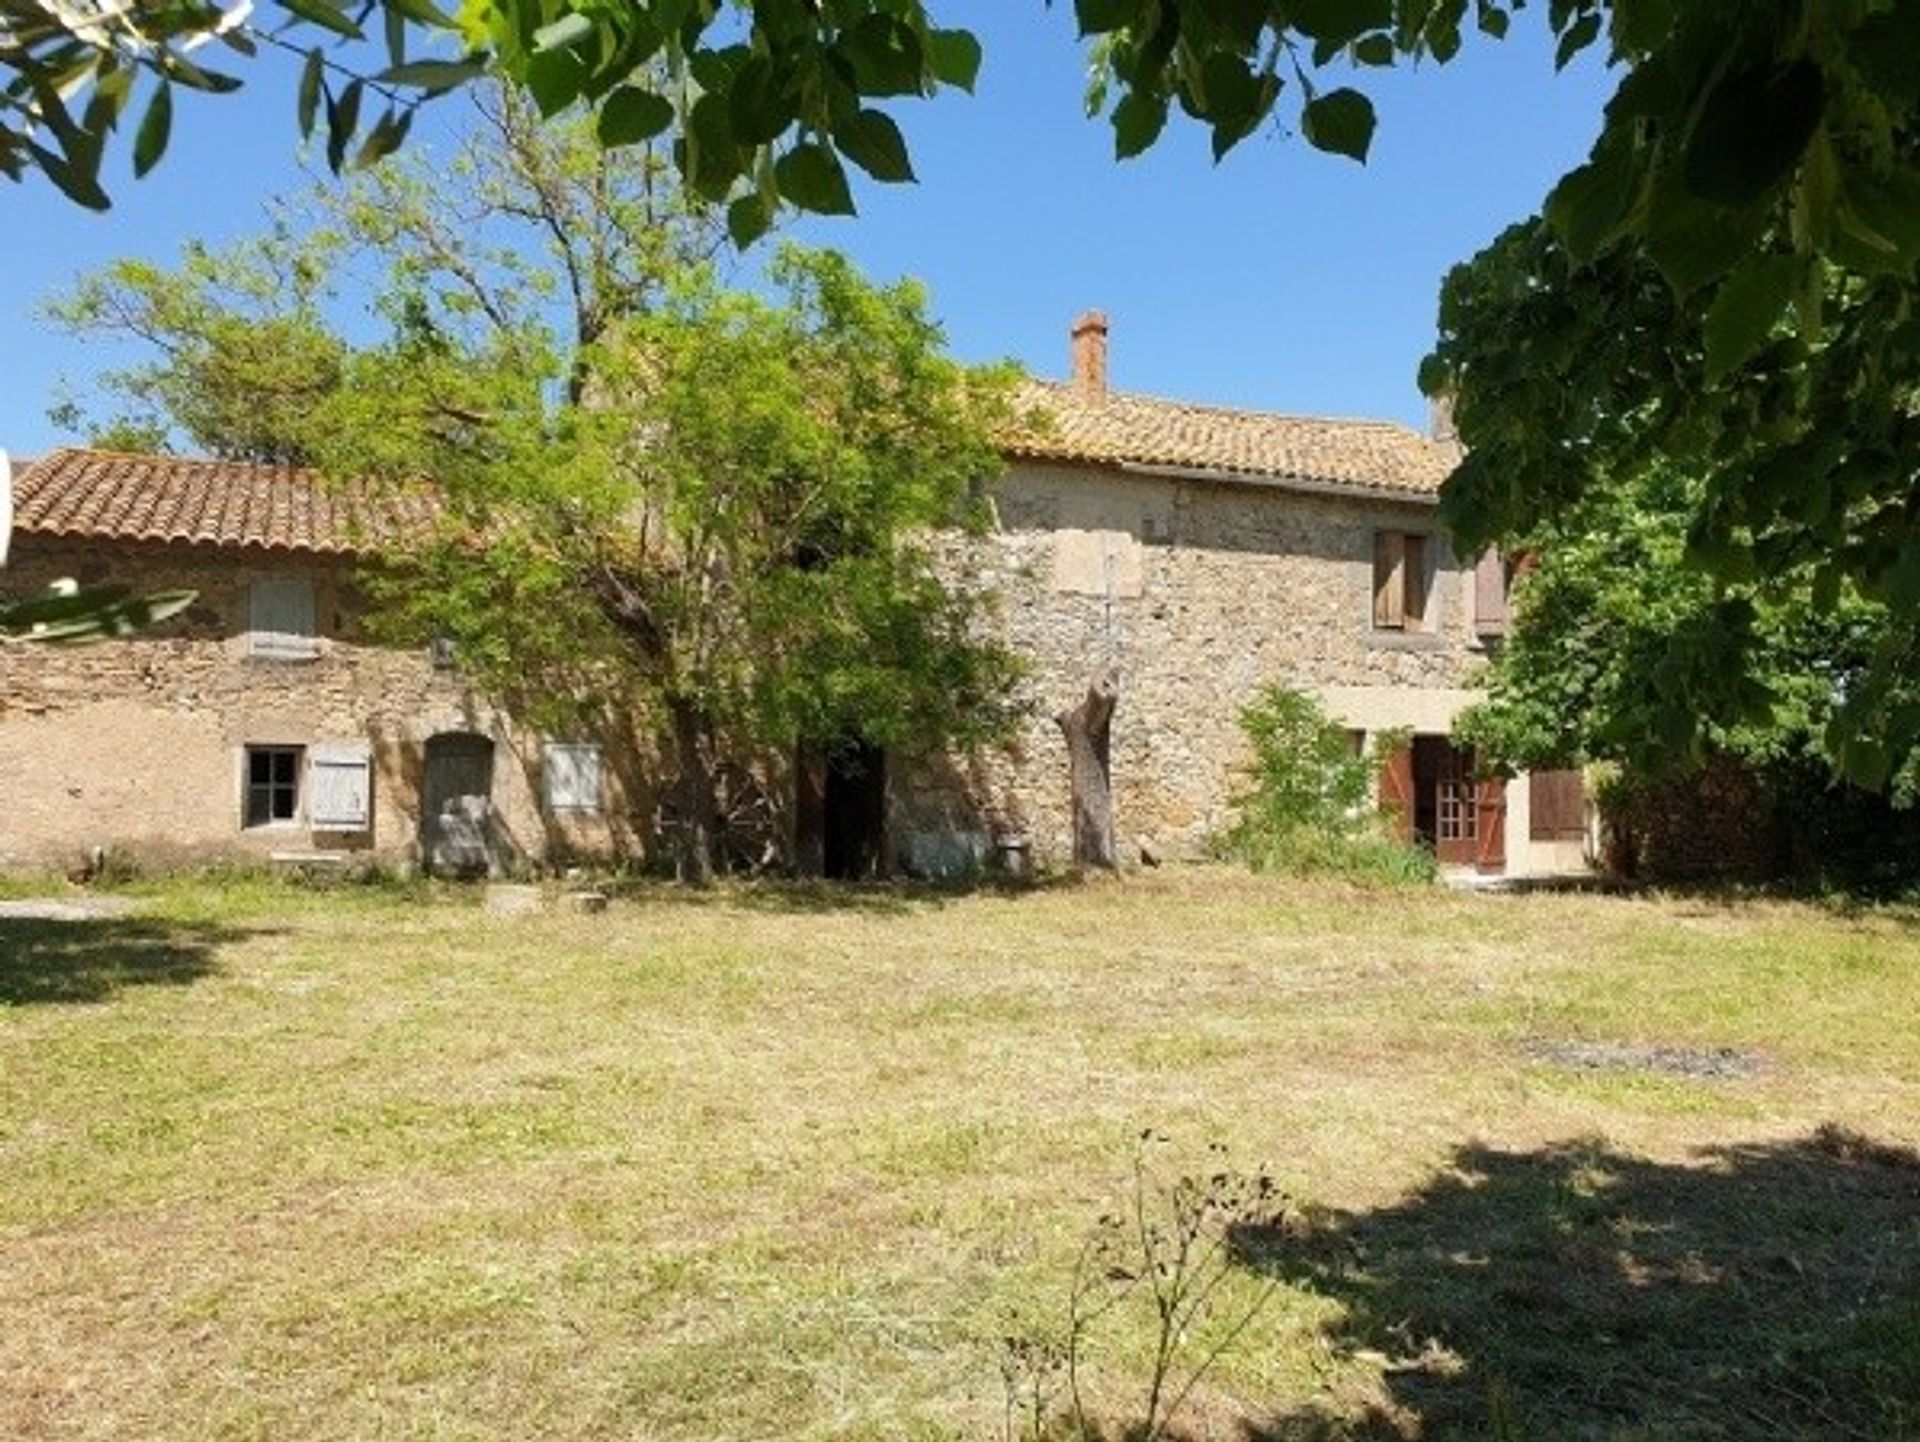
1456 810
456 812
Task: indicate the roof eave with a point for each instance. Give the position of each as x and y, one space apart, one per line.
1218 475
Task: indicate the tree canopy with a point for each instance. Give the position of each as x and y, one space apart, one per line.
694 521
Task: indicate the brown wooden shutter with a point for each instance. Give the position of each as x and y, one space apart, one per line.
1389 579
1414 607
1557 803
1490 831
1490 594
1396 790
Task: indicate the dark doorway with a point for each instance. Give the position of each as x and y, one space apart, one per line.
456 806
852 809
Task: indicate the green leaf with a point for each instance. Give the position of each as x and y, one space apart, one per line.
78 183
424 12
309 103
954 58
1586 209
388 135
1750 302
748 218
885 55
1232 93
155 127
1339 122
873 142
435 77
1339 23
1375 50
343 118
631 115
326 15
1579 35
1103 17
1137 122
760 104
1752 130
811 177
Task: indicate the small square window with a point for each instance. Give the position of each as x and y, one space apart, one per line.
572 773
273 785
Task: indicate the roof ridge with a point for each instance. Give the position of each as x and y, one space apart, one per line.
169 458
1216 409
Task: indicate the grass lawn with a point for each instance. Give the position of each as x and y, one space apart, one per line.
789 1164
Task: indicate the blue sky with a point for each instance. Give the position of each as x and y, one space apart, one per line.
1282 279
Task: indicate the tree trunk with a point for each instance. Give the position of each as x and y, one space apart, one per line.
699 811
1088 729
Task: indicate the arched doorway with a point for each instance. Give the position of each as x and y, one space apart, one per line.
456 806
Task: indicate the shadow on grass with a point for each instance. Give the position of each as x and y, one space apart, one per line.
45 961
813 897
1771 1291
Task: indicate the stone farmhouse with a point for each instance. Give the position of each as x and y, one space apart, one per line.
1202 552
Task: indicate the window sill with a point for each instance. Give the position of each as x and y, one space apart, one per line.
1407 640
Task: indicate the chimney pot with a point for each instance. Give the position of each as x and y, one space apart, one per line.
1090 353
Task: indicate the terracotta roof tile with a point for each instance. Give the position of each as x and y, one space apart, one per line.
1115 427
108 495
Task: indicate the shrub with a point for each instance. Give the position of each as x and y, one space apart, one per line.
1306 805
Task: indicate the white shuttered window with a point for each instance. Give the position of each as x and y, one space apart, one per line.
572 773
280 619
340 786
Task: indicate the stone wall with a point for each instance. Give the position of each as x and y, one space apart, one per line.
138 745
1202 593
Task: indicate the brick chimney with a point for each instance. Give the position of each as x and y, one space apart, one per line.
1090 353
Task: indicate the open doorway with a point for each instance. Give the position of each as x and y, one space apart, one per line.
840 811
1446 805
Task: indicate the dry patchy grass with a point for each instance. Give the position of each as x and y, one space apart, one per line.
789 1163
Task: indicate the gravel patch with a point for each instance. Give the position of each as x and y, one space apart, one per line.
1717 1063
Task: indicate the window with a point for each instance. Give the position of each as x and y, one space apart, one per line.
572 773
1402 575
280 619
1492 578
1557 806
273 785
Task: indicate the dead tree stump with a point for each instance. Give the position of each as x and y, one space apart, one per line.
1088 728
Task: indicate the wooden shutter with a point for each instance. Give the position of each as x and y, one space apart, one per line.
1490 825
1557 806
1490 594
1417 573
1396 790
1389 580
573 777
340 787
281 618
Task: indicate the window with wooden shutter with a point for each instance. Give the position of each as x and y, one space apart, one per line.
1417 574
1402 580
340 787
1389 580
572 773
1490 611
281 619
1557 806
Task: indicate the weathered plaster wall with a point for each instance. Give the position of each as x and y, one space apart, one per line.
1202 593
138 744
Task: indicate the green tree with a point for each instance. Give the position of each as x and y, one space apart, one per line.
1582 390
697 516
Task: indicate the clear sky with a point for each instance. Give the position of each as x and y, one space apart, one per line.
1282 279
